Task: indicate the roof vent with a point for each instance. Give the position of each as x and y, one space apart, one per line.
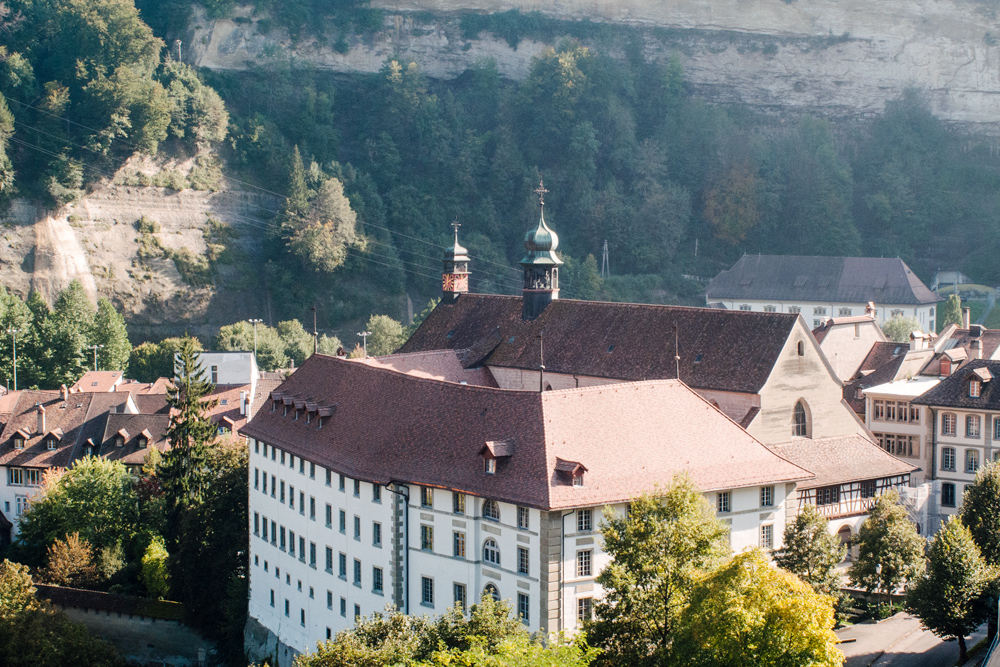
697 359
611 348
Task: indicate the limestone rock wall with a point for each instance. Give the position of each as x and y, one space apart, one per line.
828 56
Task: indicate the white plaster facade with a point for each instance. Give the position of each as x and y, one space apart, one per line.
302 601
902 429
816 313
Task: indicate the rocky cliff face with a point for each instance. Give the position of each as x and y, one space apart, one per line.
839 57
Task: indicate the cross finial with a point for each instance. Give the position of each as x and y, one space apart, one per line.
541 192
456 224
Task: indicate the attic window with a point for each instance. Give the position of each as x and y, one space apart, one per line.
18 443
451 333
224 401
570 471
975 388
697 359
490 465
578 479
611 348
119 441
801 349
50 443
142 442
511 339
93 384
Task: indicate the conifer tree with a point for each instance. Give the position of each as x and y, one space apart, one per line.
952 311
948 598
111 334
811 551
298 191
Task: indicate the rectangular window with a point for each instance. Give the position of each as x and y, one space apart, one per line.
264 534
264 488
767 536
256 523
947 494
312 471
426 497
770 309
948 458
974 388
291 543
312 554
342 482
376 493
274 485
745 306
767 496
427 538
357 611
427 591
282 496
584 521
878 410
302 549
868 488
343 607
343 521
914 414
828 495
342 565
329 478
357 572
723 501
376 533
291 496
522 560
584 609
523 607
302 505
15 476
357 527
458 545
971 461
281 542
949 424
329 560
274 533
972 426
329 600
357 488
272 597
302 617
844 312
458 500
329 515
286 607
996 428
461 596
890 411
522 517
583 563
819 310
312 508
377 580
256 478
795 310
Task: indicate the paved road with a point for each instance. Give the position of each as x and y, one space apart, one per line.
904 643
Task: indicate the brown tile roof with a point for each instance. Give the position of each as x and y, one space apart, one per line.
97 381
392 426
227 397
265 385
151 404
719 349
70 416
837 460
153 427
434 364
824 279
820 332
953 391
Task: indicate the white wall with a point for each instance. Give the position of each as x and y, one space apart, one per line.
231 367
925 314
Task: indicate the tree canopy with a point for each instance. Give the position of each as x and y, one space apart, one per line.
811 552
890 551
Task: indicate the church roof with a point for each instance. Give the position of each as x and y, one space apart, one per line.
390 426
719 349
824 279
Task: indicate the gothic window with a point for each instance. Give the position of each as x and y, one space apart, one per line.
800 421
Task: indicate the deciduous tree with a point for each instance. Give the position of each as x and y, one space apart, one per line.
665 543
890 551
71 563
948 597
387 335
899 328
811 552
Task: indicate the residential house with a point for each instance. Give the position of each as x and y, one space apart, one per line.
819 288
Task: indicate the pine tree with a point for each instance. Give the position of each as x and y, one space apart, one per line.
298 191
811 551
952 311
948 598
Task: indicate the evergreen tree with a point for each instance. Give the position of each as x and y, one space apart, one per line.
952 311
811 551
297 203
110 332
948 598
664 544
890 551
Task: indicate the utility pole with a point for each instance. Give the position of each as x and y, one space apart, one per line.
541 362
177 43
13 333
364 338
315 332
95 348
605 267
677 351
255 323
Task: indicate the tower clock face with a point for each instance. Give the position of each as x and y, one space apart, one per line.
455 282
448 282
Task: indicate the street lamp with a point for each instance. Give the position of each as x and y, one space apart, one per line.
13 332
95 348
364 337
255 323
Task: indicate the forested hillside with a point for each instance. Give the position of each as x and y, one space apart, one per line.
376 167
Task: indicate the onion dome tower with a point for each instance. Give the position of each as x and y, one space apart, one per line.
541 265
455 279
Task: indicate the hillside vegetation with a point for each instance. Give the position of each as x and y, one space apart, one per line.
376 166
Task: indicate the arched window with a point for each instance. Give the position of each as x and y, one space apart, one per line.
492 591
491 510
800 421
802 349
491 551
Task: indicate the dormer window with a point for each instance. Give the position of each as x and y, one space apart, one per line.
119 441
571 472
490 465
142 442
50 443
975 388
493 450
18 443
578 479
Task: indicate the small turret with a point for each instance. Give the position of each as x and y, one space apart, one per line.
541 265
455 279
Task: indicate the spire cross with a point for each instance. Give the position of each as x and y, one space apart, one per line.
541 192
456 224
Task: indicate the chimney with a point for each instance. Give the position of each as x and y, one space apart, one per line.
976 330
64 393
945 365
870 309
965 318
977 348
243 403
41 418
917 341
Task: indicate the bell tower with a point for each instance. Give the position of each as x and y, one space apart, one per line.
455 279
541 265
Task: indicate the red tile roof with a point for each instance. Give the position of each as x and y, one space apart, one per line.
69 416
719 349
97 381
389 426
838 460
434 364
153 427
